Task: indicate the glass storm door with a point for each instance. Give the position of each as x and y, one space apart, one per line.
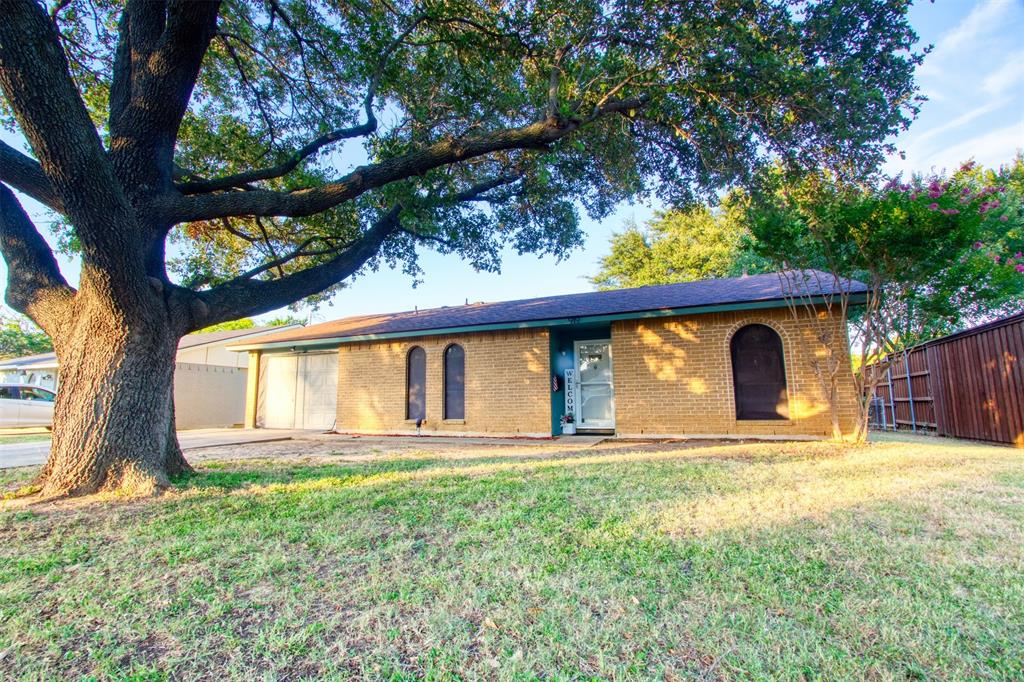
596 394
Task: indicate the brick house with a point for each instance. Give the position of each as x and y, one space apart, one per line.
723 357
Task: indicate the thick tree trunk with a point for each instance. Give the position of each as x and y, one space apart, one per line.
114 417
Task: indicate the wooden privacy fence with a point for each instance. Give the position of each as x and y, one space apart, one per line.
966 385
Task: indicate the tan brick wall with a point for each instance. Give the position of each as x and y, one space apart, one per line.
674 376
507 384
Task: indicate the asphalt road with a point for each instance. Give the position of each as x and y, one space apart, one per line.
36 452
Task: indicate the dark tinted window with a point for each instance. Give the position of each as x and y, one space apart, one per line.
759 374
454 382
416 384
8 392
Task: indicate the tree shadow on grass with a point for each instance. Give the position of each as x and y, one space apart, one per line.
249 473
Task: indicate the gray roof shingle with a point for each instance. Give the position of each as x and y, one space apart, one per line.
735 290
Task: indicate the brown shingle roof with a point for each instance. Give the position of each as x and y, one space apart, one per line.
736 290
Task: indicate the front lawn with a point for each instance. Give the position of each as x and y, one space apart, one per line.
900 560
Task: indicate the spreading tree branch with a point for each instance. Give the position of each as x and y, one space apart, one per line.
35 285
162 45
35 79
306 202
26 175
240 298
200 186
478 192
369 126
244 295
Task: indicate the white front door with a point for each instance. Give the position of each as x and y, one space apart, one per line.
596 390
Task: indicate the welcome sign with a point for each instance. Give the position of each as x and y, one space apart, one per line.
570 393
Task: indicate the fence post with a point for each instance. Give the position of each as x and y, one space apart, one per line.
936 389
892 397
910 392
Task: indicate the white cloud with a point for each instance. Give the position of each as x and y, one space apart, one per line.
961 120
1006 76
990 149
987 16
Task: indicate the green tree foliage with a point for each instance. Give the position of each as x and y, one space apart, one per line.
682 245
249 323
286 320
647 97
18 337
945 252
230 325
936 254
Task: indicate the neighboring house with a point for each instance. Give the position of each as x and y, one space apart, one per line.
209 380
38 370
719 357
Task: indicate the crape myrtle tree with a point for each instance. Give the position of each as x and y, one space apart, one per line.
192 155
935 253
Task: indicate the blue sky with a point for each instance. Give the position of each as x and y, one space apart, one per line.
974 80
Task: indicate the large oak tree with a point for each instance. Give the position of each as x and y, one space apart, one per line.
214 160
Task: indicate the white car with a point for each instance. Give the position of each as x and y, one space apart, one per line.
24 405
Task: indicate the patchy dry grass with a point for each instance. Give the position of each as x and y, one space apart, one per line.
786 561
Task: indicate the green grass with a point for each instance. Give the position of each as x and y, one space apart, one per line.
9 439
782 561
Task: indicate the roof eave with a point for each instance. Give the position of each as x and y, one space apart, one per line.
329 342
262 331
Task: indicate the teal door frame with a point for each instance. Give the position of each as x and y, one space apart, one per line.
562 340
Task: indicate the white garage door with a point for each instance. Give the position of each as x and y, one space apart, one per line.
302 391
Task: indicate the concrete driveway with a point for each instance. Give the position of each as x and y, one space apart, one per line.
36 452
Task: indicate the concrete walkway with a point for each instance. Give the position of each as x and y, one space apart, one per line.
36 452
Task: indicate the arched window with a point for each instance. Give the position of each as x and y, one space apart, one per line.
759 373
454 382
416 384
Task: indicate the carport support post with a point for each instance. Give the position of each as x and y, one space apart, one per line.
252 389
